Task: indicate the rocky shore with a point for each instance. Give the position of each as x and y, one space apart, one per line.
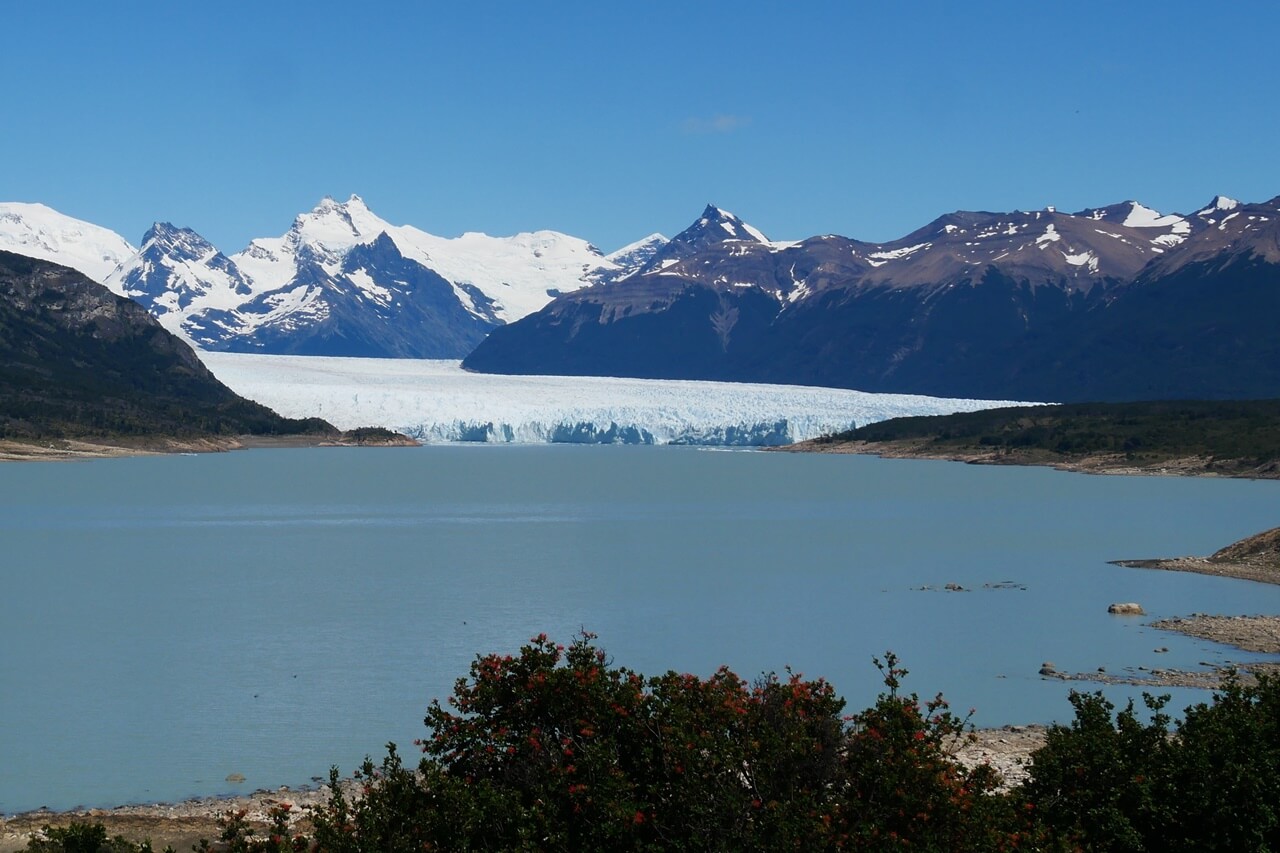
1256 558
1094 463
179 825
53 450
182 825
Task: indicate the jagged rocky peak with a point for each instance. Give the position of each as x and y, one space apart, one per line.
172 240
714 227
733 227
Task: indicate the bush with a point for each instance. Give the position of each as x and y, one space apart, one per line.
1210 783
79 837
557 749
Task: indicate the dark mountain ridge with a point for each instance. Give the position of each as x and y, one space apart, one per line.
78 361
1110 303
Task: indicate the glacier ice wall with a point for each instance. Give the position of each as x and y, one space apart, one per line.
437 401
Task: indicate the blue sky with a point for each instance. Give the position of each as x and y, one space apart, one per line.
613 120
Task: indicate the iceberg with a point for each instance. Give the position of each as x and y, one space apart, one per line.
437 402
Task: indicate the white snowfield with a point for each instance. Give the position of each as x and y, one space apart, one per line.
41 232
437 401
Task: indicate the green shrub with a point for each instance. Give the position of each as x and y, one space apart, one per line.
78 837
1212 782
556 748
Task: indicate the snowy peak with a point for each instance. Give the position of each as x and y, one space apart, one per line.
1141 216
41 232
643 248
1162 231
1220 204
1227 230
177 273
318 238
166 238
1133 214
630 259
733 227
337 226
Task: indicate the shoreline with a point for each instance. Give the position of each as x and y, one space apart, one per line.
1007 749
183 824
1100 463
71 449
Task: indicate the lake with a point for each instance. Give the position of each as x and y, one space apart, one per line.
168 621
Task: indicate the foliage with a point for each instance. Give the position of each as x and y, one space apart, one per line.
556 748
1247 431
905 791
1210 783
79 362
79 837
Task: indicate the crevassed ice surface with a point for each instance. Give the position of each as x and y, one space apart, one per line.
438 401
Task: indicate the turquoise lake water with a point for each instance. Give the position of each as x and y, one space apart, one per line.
168 621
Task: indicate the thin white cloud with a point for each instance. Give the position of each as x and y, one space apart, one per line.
720 123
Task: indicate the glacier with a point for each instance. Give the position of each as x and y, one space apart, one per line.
437 401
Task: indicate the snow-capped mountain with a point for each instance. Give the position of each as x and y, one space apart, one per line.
343 281
713 228
340 281
1026 304
631 258
515 275
42 232
177 273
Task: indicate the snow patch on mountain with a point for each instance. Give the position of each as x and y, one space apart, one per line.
437 401
1082 259
1141 216
1050 235
896 254
37 231
1219 204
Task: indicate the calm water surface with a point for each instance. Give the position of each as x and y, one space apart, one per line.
167 621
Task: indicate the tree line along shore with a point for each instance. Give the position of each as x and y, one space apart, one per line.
1229 438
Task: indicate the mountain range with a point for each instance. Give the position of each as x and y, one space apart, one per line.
341 281
1110 303
1115 302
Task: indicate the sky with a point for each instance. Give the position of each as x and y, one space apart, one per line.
612 120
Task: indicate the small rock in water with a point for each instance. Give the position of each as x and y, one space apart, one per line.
954 587
1162 650
235 778
1128 608
1047 668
